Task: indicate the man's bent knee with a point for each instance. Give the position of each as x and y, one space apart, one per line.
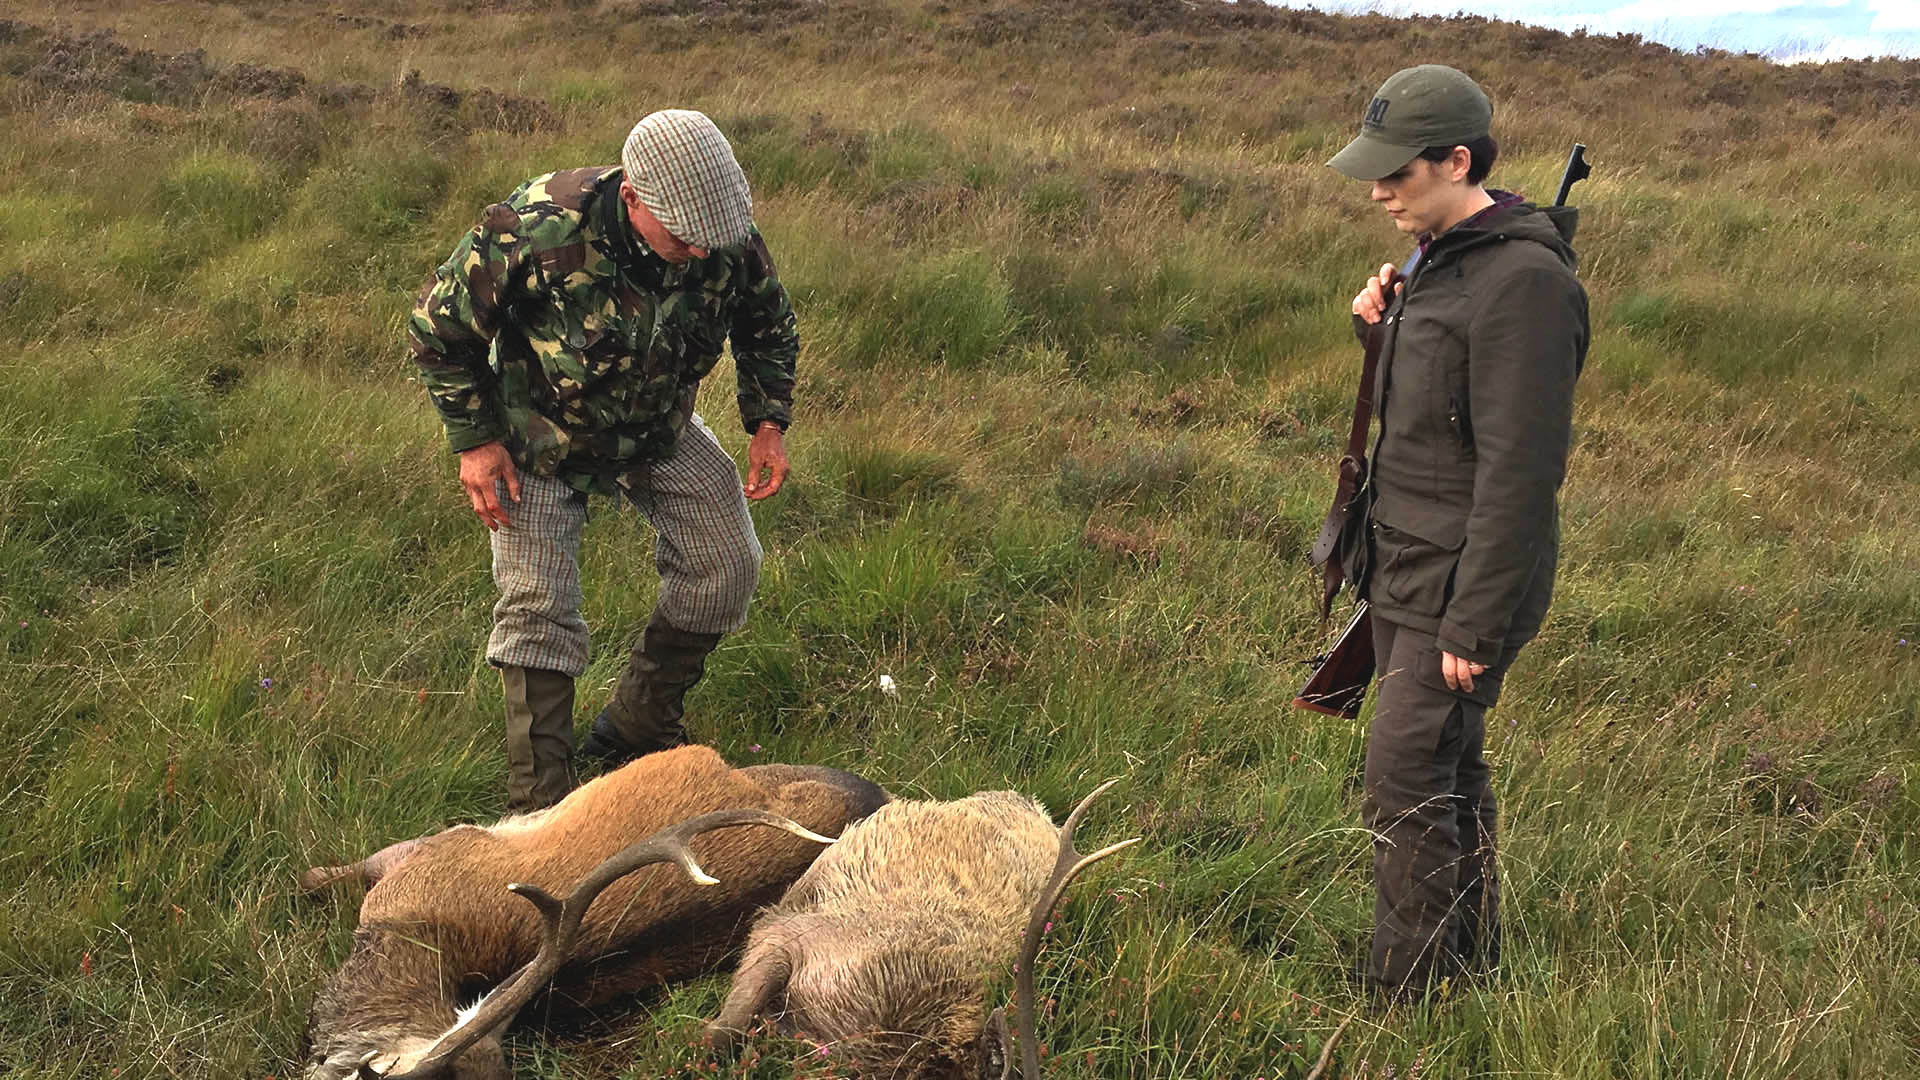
713 598
532 639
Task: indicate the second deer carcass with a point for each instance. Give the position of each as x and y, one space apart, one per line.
882 950
439 930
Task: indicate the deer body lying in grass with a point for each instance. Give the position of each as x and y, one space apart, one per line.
438 927
881 951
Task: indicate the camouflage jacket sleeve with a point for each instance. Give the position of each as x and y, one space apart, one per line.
765 341
454 320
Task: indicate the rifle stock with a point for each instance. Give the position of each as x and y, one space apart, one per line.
1339 681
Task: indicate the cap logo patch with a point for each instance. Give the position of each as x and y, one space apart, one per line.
1377 113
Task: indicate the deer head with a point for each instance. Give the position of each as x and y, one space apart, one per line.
878 950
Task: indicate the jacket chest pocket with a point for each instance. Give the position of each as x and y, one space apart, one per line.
561 341
1426 355
1437 371
601 338
1459 415
700 320
1450 404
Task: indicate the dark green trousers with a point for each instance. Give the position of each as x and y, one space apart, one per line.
1431 811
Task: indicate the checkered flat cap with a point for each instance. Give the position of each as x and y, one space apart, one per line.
684 172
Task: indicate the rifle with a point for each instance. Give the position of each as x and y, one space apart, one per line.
1340 675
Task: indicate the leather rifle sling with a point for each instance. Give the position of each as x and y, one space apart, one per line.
1353 465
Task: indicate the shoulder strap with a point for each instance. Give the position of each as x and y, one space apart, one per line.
1353 466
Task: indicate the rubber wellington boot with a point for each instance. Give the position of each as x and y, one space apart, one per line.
539 737
649 702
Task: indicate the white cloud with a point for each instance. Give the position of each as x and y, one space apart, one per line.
1655 10
1838 49
1894 16
1570 13
1804 30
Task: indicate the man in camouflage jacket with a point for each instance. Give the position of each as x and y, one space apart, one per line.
563 344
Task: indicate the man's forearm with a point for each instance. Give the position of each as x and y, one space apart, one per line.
760 405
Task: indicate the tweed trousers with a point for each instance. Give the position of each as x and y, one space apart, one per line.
704 548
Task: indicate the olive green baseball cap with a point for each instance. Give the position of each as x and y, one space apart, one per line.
1428 105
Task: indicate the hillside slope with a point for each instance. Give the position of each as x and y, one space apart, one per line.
1072 281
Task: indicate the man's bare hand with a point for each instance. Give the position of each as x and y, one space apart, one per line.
481 470
1371 302
766 452
1459 673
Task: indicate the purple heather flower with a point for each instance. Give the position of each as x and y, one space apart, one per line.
266 684
755 748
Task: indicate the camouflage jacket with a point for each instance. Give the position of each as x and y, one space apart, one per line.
554 328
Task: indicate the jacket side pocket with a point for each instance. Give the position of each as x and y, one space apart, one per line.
1413 574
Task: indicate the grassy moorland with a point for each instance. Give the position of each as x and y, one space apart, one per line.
1073 284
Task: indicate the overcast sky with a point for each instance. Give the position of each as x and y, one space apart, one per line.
1785 29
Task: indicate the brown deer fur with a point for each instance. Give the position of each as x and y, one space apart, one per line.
438 927
882 950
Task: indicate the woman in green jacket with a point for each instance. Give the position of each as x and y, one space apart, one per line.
1486 333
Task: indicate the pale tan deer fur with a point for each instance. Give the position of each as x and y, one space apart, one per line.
438 928
881 952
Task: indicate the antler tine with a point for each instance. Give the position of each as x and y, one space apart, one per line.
997 1020
671 845
562 925
1073 819
1068 865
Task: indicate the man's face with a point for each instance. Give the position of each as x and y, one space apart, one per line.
664 244
1424 196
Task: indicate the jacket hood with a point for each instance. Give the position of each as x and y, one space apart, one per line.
1551 227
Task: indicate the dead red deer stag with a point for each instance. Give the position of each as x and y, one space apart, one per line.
438 929
881 951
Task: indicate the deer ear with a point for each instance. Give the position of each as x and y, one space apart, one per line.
996 1053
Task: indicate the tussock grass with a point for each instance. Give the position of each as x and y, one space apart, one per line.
1072 282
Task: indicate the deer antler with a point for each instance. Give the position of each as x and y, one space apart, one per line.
1069 863
499 1007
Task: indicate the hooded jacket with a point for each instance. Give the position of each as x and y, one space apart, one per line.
1475 399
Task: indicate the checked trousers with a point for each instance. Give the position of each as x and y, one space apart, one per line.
704 548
